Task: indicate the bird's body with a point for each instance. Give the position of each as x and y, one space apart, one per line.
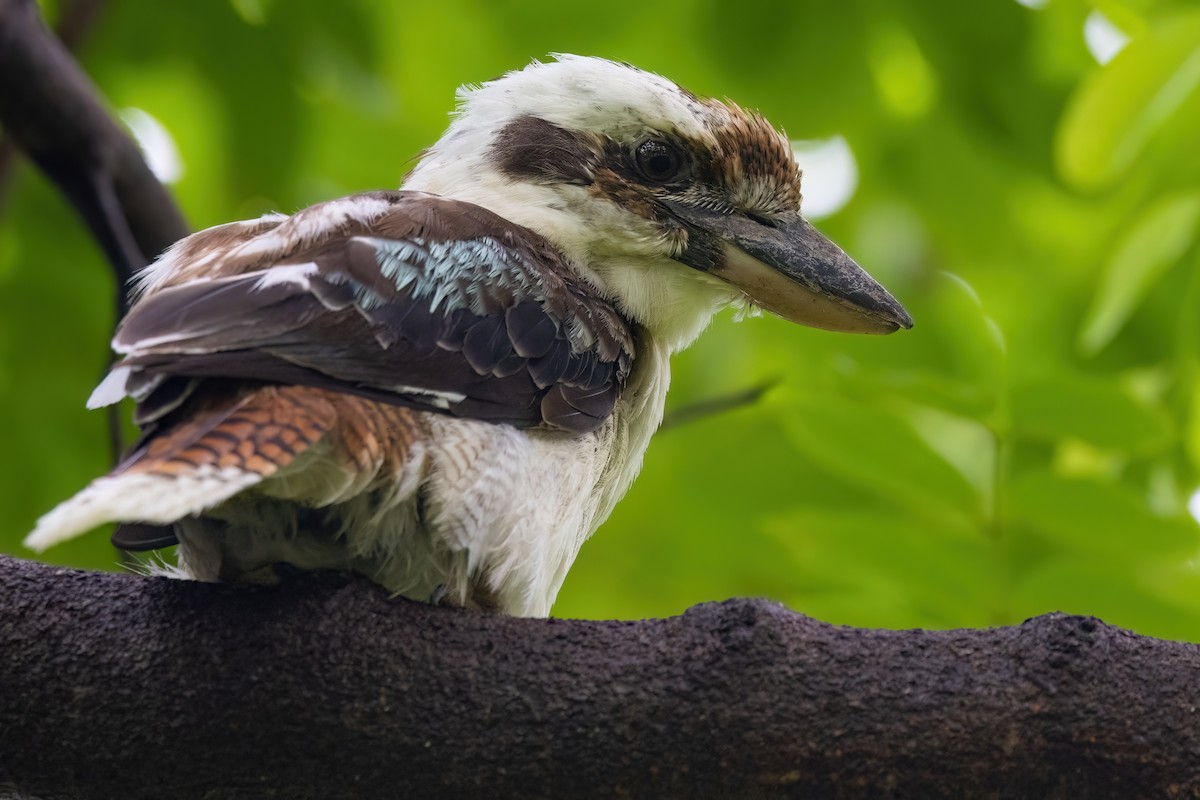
448 388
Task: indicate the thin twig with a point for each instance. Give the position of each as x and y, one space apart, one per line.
715 406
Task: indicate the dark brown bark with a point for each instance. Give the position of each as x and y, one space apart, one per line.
53 112
50 108
113 686
74 25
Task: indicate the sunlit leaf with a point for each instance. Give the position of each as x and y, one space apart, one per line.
974 341
1113 591
1097 411
1117 112
876 449
902 73
1093 516
965 371
923 386
888 560
1192 439
967 444
1155 241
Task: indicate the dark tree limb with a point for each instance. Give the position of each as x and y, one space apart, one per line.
74 25
51 109
53 112
113 686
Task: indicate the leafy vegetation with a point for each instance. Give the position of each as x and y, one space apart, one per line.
1030 446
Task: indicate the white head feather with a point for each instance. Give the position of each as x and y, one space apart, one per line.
625 256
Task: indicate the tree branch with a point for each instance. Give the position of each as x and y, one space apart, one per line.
53 111
124 687
74 25
50 108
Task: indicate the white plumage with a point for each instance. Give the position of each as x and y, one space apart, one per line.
448 388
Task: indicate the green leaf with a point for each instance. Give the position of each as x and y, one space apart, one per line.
876 449
698 506
1091 516
1191 440
976 347
1097 411
1112 591
1155 241
920 386
893 566
1113 116
966 361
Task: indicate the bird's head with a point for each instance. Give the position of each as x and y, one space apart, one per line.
670 204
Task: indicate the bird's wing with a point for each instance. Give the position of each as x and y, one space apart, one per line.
402 297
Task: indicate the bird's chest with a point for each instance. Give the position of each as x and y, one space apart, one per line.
637 417
510 509
479 513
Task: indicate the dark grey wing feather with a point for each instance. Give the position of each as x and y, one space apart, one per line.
530 330
486 344
546 370
595 401
436 304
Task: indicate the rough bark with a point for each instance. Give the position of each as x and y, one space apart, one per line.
50 108
114 686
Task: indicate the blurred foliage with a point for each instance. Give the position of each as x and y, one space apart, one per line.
1031 445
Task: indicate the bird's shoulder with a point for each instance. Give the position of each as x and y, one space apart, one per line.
453 228
401 296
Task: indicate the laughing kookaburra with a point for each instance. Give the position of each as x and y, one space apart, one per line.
448 387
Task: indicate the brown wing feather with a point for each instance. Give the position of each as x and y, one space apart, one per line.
262 431
407 298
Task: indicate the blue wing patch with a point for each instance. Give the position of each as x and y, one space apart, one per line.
488 323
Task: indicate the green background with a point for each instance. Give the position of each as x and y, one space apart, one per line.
1030 446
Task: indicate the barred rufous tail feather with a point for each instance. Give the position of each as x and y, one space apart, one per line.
196 464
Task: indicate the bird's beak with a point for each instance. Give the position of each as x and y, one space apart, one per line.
788 267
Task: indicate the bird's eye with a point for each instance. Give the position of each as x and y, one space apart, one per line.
659 161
